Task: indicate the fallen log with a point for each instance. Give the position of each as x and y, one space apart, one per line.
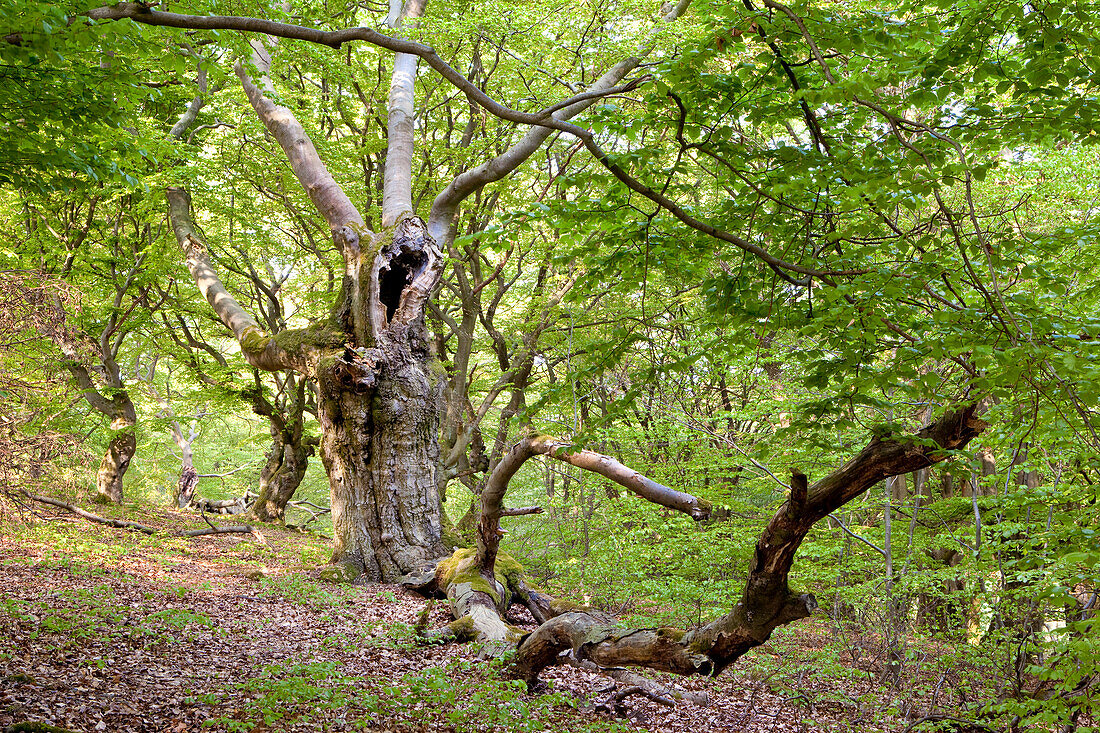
120 523
767 601
135 526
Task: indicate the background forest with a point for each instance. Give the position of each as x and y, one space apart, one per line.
285 261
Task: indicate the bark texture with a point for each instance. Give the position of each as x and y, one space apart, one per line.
122 447
378 391
379 415
280 477
291 447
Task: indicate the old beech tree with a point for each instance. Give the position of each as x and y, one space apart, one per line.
379 388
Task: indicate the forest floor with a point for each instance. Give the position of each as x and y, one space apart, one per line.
103 629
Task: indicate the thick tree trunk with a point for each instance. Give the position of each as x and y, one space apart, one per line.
281 476
108 479
379 415
379 393
120 451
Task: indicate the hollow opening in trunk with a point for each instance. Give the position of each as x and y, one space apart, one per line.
395 276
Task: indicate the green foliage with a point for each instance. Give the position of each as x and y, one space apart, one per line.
71 90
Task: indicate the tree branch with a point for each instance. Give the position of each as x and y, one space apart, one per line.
502 165
344 220
767 602
492 496
120 523
397 177
259 349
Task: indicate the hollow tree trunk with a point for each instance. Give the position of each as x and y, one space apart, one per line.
281 476
379 415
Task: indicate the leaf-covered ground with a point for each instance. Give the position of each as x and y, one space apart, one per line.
106 630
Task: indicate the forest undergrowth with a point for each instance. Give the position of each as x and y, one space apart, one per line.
107 630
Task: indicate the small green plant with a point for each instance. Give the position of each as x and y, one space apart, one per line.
314 555
290 694
299 589
167 624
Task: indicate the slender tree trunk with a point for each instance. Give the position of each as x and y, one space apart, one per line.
189 477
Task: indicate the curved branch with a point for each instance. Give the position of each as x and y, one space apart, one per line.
767 601
259 349
492 496
327 195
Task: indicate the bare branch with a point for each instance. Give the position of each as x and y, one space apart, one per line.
521 511
397 178
492 496
259 350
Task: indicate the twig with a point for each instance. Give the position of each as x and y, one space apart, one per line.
227 473
853 535
314 511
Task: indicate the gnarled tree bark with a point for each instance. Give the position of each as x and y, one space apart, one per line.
378 390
